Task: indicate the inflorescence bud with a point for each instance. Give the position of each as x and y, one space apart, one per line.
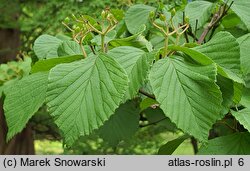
67 20
173 12
151 14
104 14
162 17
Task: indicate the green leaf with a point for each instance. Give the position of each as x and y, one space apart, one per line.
147 102
187 92
224 50
244 42
247 80
230 20
136 16
136 63
47 64
235 144
63 37
177 19
198 10
69 48
243 116
243 38
241 8
225 85
23 99
118 14
245 99
46 46
227 89
157 41
171 146
122 125
195 55
238 89
136 40
82 95
157 116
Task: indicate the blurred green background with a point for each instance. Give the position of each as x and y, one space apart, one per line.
147 141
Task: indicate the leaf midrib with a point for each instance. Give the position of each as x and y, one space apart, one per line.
187 97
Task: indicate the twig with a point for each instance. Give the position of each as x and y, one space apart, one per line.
147 94
93 28
194 144
67 27
190 33
229 6
196 27
160 28
185 27
153 123
226 124
183 22
214 21
92 49
82 47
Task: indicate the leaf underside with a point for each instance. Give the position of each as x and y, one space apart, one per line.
200 11
122 125
224 50
82 95
187 94
136 63
22 100
243 116
171 146
235 144
46 46
136 16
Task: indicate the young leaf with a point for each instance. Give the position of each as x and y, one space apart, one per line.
136 40
235 144
187 94
136 16
195 55
224 50
136 63
82 95
46 46
47 64
198 10
122 125
69 48
23 99
243 116
171 146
